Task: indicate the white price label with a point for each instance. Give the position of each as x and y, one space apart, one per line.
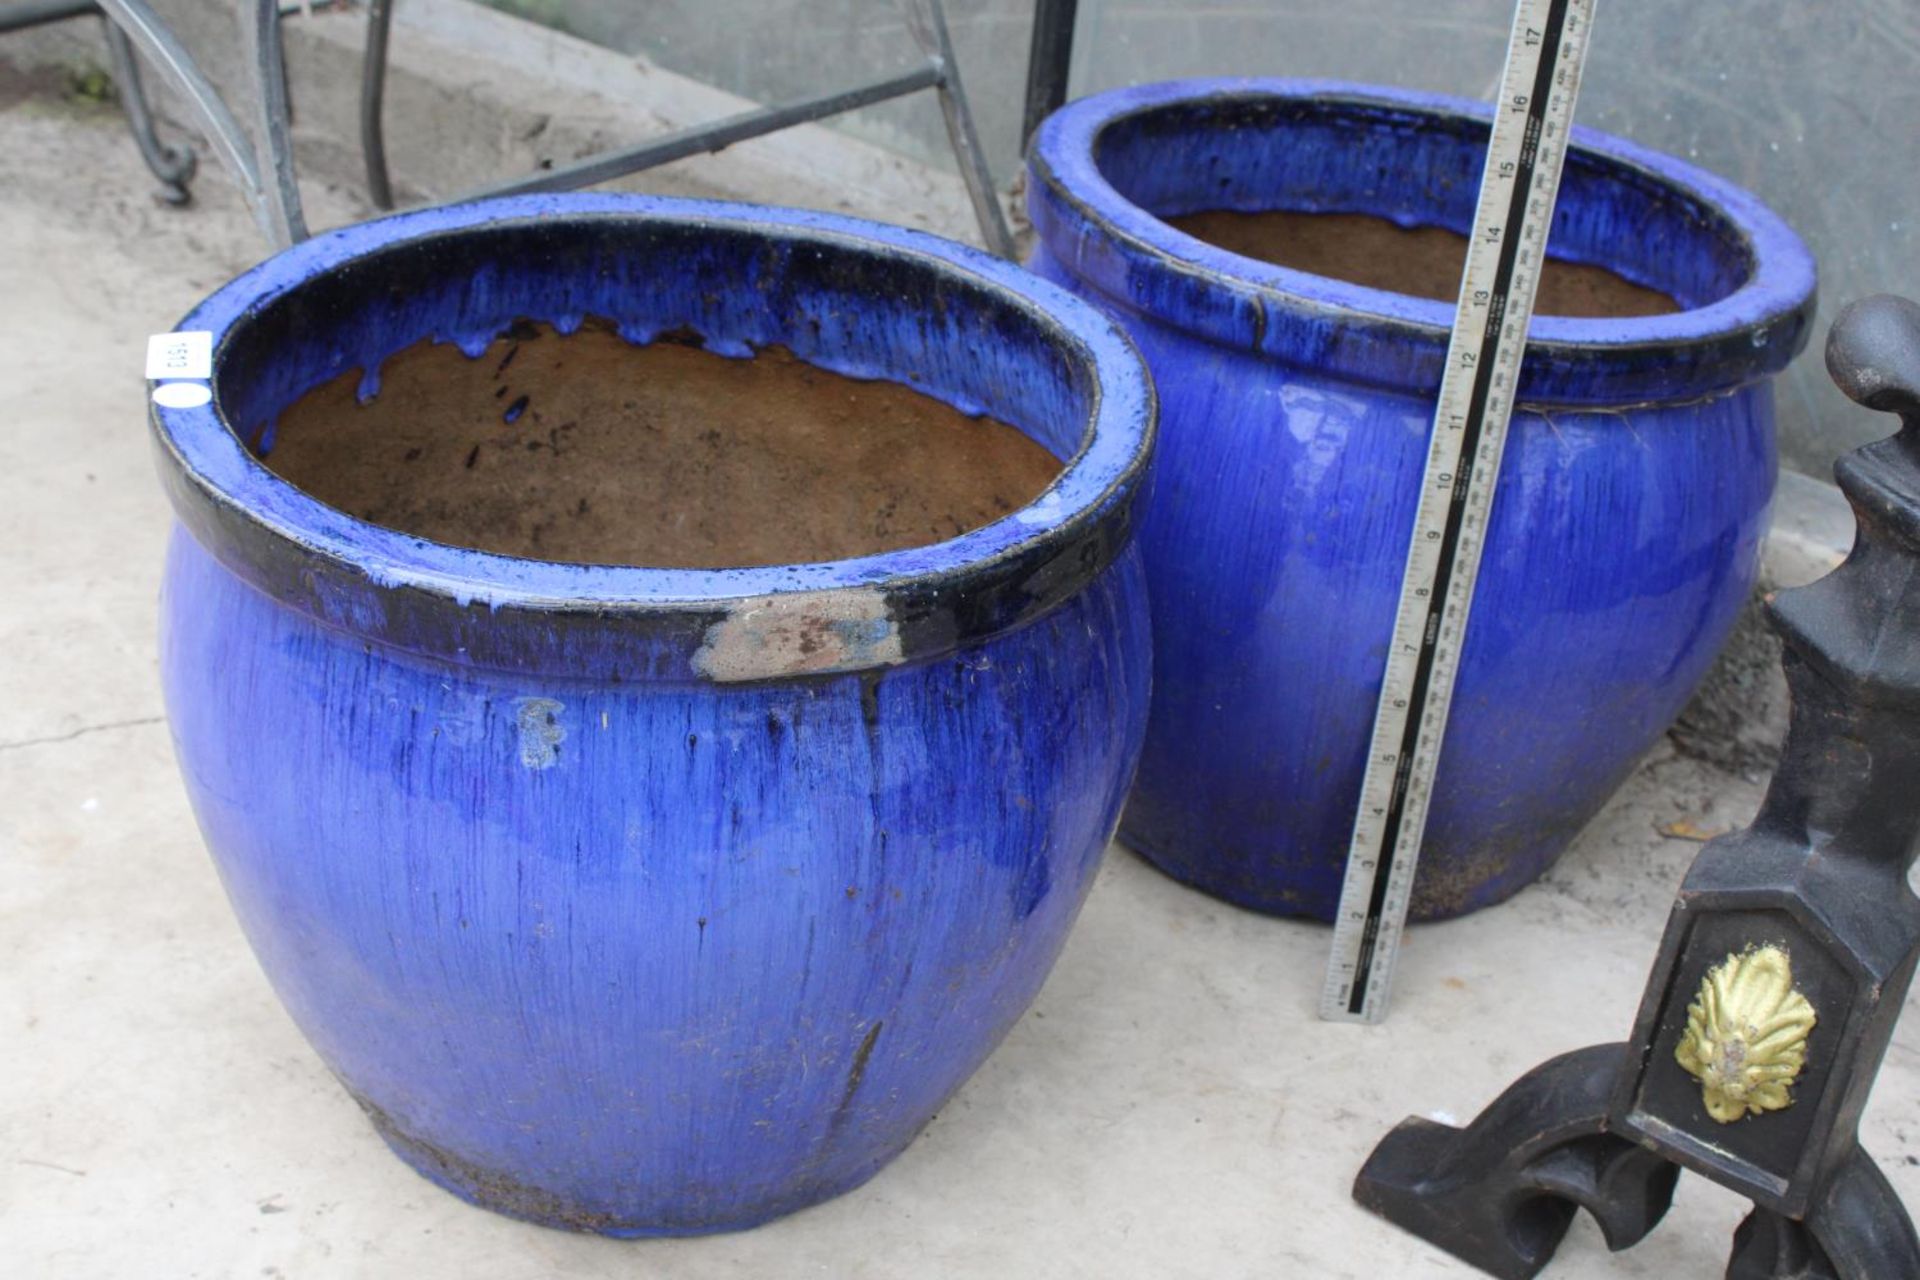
180 355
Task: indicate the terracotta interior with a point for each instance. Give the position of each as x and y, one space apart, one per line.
1425 262
589 449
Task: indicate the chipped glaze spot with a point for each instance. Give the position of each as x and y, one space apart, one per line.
541 732
845 629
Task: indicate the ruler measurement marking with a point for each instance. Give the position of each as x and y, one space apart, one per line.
1442 566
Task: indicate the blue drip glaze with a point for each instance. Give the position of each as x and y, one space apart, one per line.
1626 532
623 989
595 941
699 271
1109 168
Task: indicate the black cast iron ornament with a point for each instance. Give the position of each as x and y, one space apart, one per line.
1786 959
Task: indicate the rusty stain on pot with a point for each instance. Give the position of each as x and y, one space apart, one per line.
764 637
491 1188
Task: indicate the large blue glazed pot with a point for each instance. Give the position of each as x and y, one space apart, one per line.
655 901
1295 412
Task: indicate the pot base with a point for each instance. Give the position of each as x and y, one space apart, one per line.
1441 892
506 1195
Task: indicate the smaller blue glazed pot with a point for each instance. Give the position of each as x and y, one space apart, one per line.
1296 410
649 901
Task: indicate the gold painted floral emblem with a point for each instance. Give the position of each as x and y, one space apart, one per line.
1746 1037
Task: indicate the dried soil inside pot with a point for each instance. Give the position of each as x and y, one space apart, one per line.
1425 262
589 449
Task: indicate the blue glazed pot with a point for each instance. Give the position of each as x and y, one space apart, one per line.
655 901
1295 414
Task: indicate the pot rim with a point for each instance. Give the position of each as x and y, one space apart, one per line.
1135 258
306 552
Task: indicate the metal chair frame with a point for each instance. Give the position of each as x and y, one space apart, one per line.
265 173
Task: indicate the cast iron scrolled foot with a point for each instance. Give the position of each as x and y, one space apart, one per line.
1500 1193
1858 1230
1770 1247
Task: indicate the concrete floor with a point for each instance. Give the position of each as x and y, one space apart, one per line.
1171 1106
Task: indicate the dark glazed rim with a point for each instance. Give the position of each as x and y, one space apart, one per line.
1382 337
771 622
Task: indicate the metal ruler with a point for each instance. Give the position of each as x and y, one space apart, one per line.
1505 253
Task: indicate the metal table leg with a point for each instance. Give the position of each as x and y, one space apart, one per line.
266 175
276 211
172 166
373 92
708 138
262 46
1049 58
927 20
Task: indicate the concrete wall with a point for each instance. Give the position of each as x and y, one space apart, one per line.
1815 106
